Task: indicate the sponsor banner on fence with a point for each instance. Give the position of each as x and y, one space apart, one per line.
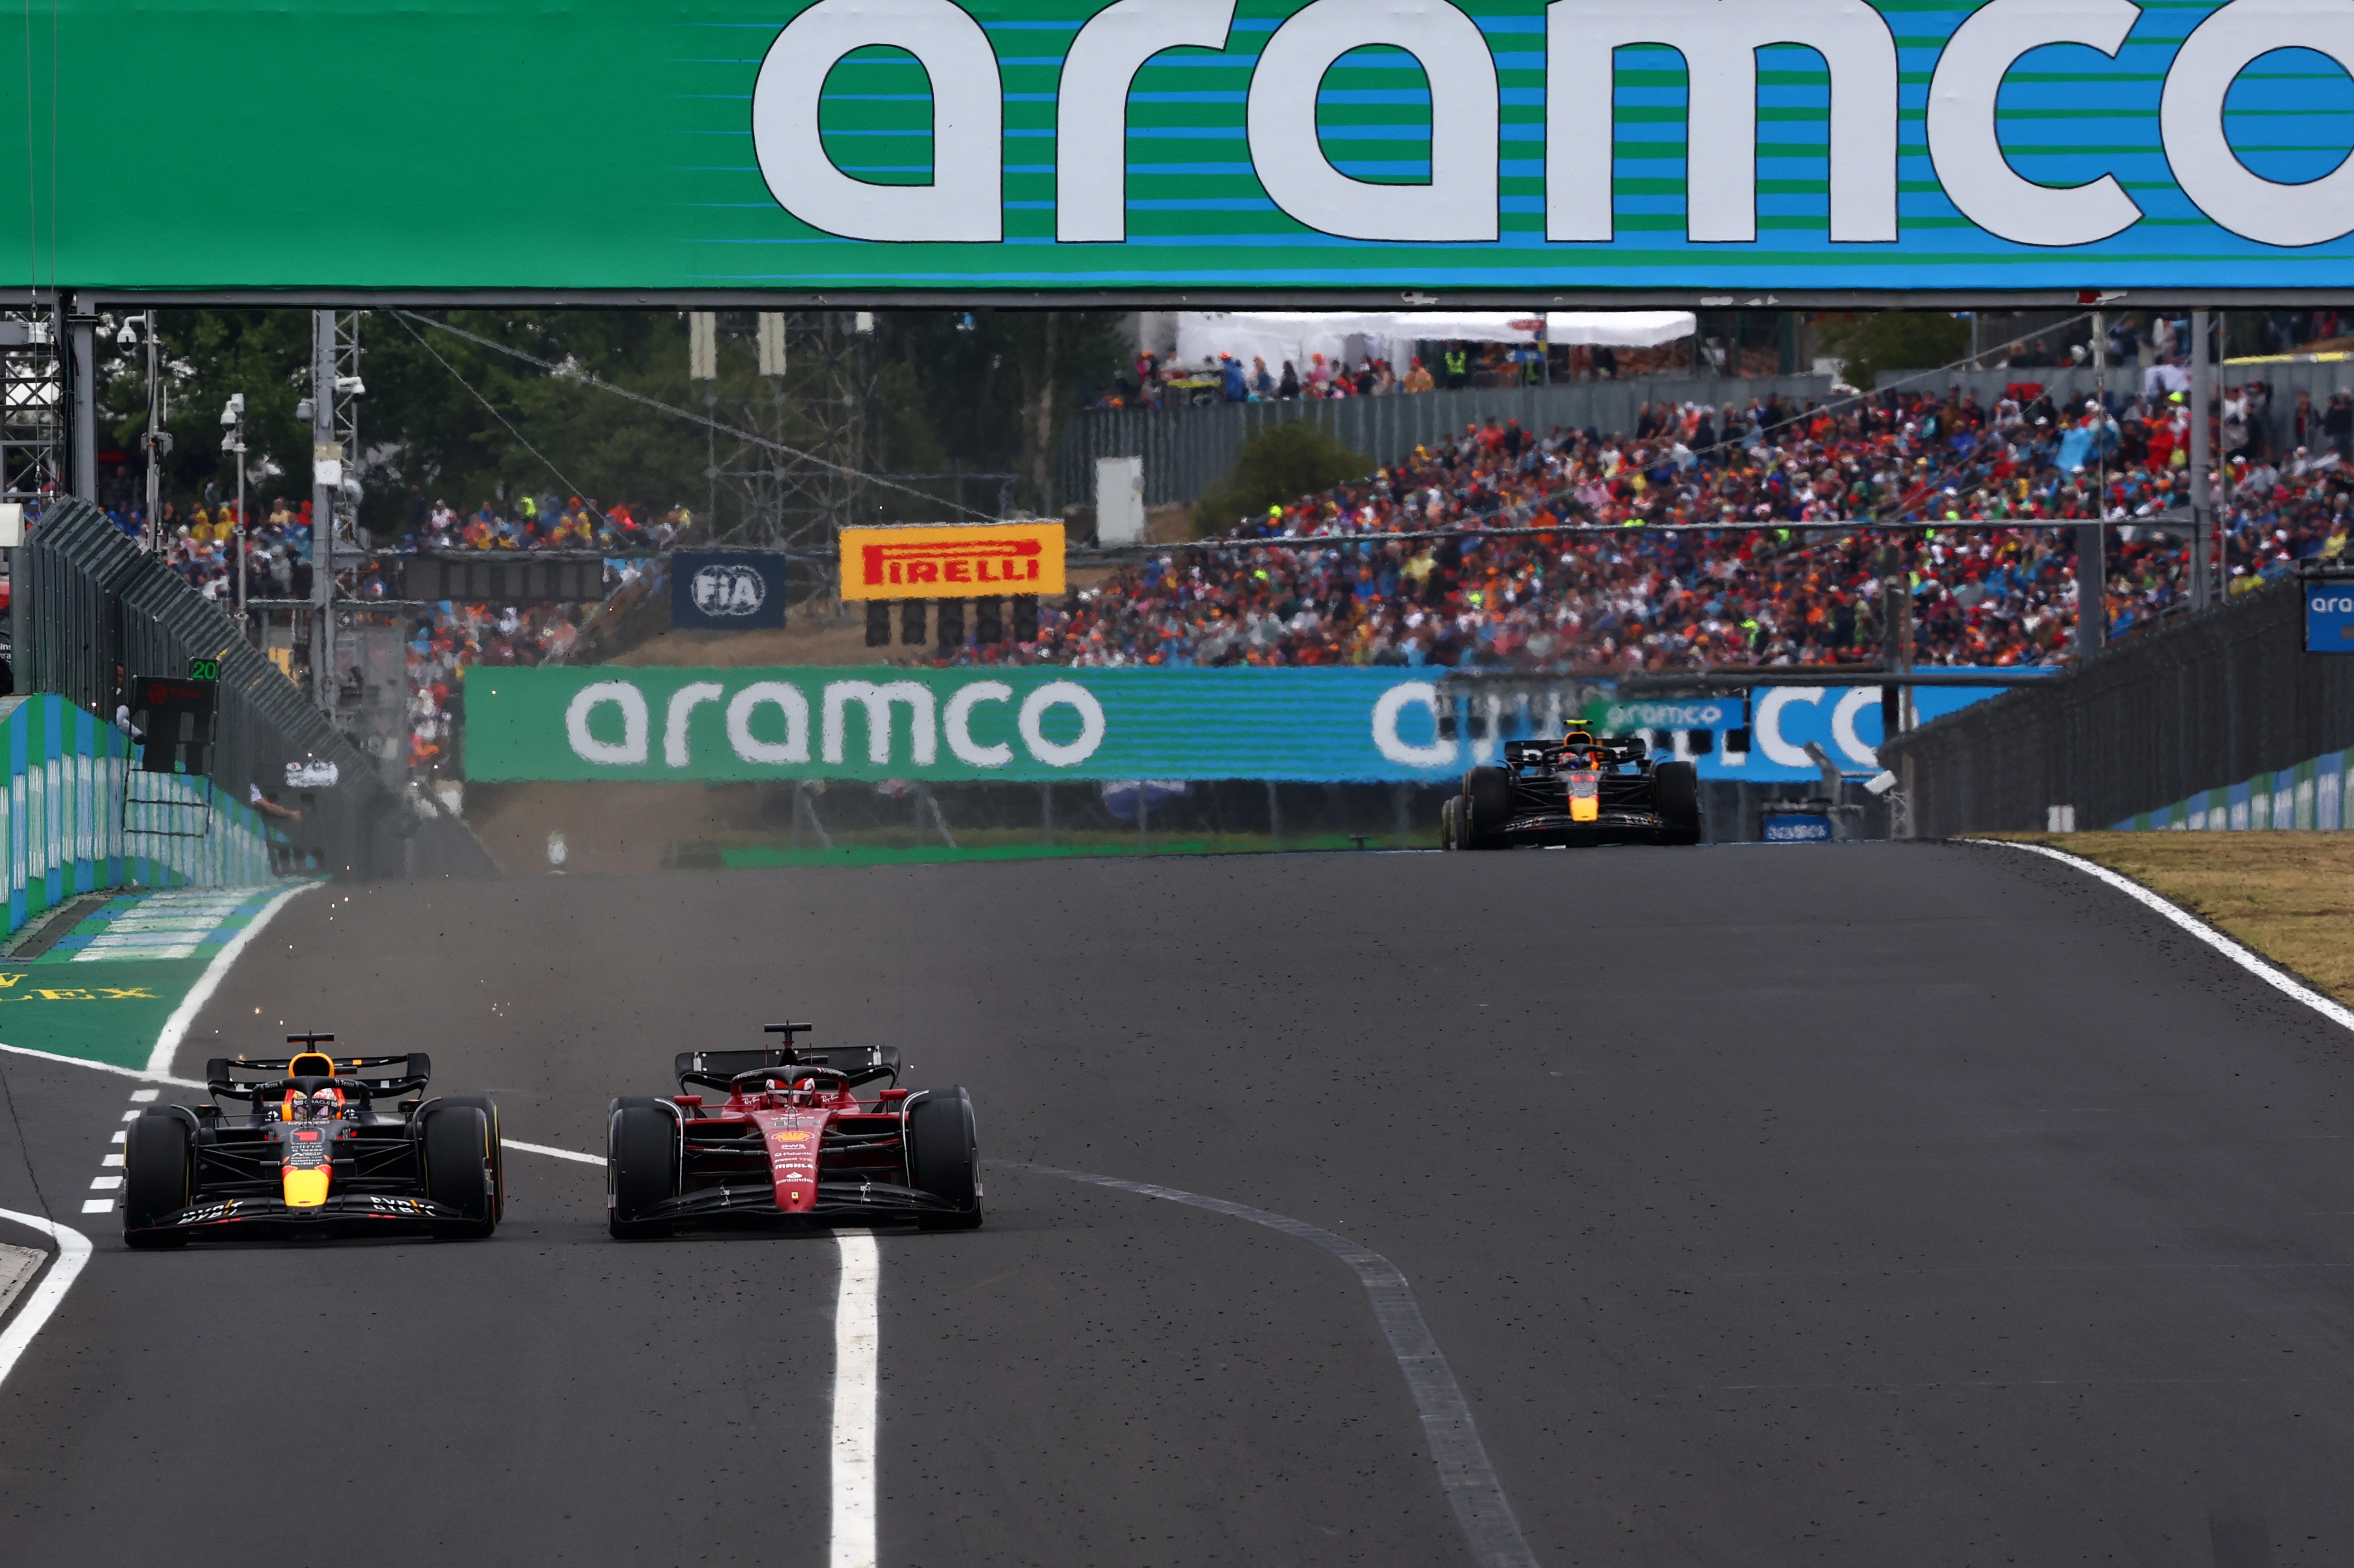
726 590
2329 618
1046 723
952 561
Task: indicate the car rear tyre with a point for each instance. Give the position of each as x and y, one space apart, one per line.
1487 806
461 1168
1450 822
1678 793
641 1166
944 1156
155 1178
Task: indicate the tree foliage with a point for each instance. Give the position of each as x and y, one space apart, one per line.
1869 342
444 417
1273 468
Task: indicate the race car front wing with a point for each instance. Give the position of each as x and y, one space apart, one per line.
1613 826
351 1213
835 1200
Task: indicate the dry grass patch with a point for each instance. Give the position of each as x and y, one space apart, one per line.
2289 896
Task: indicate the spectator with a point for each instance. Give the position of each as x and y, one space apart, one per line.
1423 576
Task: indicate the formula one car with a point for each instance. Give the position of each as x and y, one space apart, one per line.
314 1157
792 1142
1579 790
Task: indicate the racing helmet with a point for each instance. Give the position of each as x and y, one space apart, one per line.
322 1104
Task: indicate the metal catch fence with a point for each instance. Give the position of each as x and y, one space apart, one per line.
2202 703
92 611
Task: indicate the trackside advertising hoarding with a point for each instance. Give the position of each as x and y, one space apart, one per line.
956 560
1206 145
1041 725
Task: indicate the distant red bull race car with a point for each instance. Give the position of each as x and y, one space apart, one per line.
792 1142
1579 790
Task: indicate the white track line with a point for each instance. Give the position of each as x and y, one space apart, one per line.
167 1044
139 1073
1483 1512
2206 933
855 1355
551 1153
74 1251
856 1335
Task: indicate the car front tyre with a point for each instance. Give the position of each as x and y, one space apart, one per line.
641 1166
1487 807
1677 791
461 1168
156 1178
944 1156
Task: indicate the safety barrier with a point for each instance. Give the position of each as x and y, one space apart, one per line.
2229 693
2311 795
76 817
92 611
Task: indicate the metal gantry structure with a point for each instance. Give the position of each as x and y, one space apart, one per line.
32 409
804 479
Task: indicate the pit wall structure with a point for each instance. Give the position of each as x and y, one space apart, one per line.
67 828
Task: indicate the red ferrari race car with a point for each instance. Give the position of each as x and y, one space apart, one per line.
792 1142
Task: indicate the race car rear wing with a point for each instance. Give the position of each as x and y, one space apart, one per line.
241 1079
1541 753
861 1063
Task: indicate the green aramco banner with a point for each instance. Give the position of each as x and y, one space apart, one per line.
1219 147
875 722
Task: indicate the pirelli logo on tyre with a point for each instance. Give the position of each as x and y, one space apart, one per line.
990 560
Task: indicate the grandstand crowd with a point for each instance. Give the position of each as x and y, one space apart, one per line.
1723 535
201 544
1748 574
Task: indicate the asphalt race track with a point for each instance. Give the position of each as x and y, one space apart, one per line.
1875 1205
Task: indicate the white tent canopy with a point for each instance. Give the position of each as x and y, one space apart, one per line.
1299 335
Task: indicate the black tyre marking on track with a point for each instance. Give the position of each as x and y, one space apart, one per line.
1481 1509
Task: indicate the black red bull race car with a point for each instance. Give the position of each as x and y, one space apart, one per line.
1579 790
790 1141
319 1153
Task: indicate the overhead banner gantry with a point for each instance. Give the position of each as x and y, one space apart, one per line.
1715 151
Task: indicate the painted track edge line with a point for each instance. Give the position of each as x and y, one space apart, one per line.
1483 1512
856 1335
139 1072
175 1028
2229 946
551 1153
73 1252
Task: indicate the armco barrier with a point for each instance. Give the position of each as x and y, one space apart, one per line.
66 827
2190 707
2310 795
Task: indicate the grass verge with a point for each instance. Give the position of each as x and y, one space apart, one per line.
2289 896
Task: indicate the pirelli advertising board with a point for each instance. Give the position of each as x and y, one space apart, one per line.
987 560
1207 147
